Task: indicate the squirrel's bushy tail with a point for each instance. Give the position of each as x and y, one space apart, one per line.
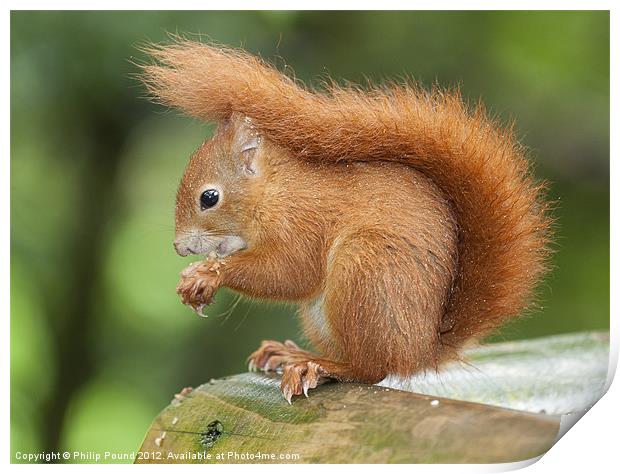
503 220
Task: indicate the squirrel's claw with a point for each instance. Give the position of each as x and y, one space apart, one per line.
288 394
300 377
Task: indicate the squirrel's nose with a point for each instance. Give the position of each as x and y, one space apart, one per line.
181 249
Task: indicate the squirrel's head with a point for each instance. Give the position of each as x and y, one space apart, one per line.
220 189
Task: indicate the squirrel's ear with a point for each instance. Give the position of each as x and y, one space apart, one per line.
246 142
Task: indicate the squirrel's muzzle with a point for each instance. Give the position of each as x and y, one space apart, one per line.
201 244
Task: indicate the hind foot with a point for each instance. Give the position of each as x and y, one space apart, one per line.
301 370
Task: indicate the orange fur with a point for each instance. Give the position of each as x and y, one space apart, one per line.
412 222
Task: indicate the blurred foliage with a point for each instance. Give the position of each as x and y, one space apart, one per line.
99 340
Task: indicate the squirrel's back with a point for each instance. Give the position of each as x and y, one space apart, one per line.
503 223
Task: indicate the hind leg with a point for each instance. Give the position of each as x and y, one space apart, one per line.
384 301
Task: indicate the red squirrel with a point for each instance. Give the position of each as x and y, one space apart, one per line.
403 224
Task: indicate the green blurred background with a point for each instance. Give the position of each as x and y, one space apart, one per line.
99 340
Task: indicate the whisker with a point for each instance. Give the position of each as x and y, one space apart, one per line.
245 316
209 233
231 309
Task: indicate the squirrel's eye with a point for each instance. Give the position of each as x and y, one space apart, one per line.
209 198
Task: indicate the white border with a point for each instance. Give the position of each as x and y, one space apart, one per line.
5 249
591 444
311 5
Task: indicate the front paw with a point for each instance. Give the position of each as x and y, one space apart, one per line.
199 283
